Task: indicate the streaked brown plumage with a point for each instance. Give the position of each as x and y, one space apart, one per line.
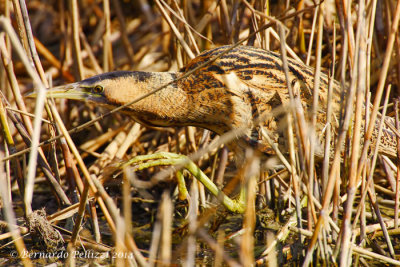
231 92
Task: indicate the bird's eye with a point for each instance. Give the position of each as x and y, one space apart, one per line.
98 89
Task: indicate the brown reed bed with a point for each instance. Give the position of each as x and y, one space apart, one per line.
65 201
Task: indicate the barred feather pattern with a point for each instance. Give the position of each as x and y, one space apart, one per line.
246 82
234 91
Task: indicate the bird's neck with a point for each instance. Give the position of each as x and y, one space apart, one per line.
164 107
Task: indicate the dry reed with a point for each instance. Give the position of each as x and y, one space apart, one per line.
342 210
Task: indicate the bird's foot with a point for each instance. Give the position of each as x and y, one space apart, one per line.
183 162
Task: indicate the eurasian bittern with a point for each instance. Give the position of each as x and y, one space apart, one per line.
231 92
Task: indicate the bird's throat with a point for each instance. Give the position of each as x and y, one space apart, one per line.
162 102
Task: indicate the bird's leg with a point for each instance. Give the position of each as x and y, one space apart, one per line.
182 189
172 159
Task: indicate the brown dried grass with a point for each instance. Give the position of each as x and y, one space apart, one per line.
306 216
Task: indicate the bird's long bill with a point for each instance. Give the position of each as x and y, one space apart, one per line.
69 91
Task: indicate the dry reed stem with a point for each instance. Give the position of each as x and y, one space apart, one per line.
117 109
31 43
108 63
331 181
85 172
314 110
178 35
304 176
80 74
124 34
382 77
370 180
128 240
397 192
8 65
193 224
34 141
359 81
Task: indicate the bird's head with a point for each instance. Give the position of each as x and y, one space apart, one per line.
114 89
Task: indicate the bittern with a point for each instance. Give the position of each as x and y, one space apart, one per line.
231 92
